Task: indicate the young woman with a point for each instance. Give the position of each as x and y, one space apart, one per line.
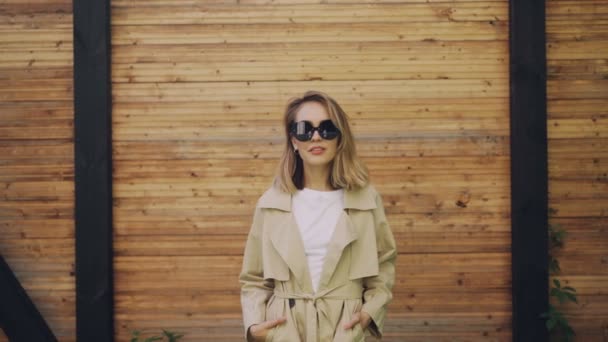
319 263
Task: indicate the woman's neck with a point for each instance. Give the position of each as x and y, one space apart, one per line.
317 178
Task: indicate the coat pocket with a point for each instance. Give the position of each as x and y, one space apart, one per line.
356 334
272 313
287 331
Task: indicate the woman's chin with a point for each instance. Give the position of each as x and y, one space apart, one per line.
317 161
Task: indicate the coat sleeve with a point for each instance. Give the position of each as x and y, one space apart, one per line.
255 290
377 290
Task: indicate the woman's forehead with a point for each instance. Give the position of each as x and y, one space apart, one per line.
312 111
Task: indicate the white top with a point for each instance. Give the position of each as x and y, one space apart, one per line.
317 213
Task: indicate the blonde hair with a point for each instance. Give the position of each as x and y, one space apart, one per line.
347 170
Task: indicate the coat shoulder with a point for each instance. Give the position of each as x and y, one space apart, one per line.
275 198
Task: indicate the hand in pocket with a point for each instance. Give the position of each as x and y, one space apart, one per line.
258 332
362 318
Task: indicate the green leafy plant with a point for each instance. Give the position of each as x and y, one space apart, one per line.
169 335
556 322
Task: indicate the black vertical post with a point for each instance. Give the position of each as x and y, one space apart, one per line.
93 171
529 225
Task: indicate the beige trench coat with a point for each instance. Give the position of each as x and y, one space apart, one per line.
358 271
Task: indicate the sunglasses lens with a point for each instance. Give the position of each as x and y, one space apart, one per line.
302 130
328 130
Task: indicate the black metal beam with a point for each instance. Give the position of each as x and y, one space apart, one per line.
19 318
93 171
529 177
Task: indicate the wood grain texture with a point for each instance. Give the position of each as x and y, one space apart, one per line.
577 130
198 91
36 168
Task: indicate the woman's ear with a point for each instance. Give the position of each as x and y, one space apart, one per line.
293 143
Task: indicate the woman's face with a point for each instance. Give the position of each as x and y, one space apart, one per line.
316 152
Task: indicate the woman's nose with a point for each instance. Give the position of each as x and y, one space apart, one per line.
316 136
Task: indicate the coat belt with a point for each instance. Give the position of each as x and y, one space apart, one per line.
345 291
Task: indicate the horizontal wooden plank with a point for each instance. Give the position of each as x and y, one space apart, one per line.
56 209
32 36
583 169
203 303
21 152
458 241
16 18
270 149
577 149
14 172
187 168
389 128
37 228
303 33
577 89
594 127
415 326
570 69
581 34
64 45
35 90
580 225
374 90
295 71
24 125
204 54
184 193
34 110
238 109
37 191
577 207
37 248
574 8
308 13
559 50
579 188
197 3
239 222
571 108
50 7
152 266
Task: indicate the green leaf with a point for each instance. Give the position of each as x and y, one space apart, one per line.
553 265
173 337
135 335
153 338
557 283
568 288
571 297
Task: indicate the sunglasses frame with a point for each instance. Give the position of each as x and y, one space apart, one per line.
308 134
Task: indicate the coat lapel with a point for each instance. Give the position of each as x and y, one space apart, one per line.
343 235
287 241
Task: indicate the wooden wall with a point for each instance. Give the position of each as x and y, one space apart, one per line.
36 156
577 90
199 91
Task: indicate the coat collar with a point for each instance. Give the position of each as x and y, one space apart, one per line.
360 199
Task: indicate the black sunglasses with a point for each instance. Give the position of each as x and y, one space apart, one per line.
304 130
